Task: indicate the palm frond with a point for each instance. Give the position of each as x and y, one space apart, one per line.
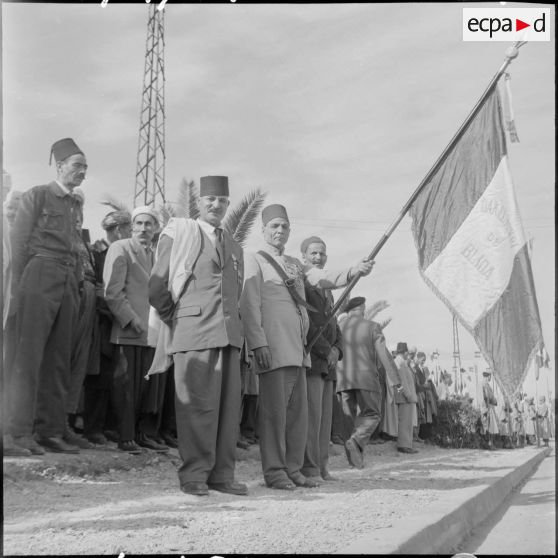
188 196
375 309
384 323
240 219
117 205
166 212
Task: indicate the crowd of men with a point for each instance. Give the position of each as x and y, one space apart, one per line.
171 336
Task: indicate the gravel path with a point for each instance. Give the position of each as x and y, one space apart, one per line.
107 502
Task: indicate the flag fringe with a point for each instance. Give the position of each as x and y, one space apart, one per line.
470 330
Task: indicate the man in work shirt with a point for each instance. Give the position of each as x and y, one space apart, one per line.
46 277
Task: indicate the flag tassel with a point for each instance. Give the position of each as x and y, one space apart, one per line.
509 120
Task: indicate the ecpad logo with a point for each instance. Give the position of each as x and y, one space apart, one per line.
506 24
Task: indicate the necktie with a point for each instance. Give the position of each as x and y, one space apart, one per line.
220 245
149 255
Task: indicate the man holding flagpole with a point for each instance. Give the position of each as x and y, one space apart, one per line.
275 317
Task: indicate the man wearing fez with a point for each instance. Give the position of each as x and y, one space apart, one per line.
406 400
138 401
97 386
46 277
275 318
358 379
195 287
322 375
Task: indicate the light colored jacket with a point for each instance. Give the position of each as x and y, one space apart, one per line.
206 314
126 275
270 316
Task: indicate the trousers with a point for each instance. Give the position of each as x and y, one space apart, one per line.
406 411
283 422
320 411
46 317
365 408
207 401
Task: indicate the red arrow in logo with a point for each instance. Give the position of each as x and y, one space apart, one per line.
519 25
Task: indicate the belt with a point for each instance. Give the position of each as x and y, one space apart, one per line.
288 282
64 261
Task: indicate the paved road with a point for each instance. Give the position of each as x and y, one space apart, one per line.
525 523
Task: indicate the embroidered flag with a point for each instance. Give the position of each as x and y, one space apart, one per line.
472 248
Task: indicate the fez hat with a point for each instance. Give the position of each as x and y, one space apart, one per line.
145 210
115 219
273 212
64 148
401 347
354 302
310 240
214 186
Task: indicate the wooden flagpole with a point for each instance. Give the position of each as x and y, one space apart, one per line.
537 372
511 53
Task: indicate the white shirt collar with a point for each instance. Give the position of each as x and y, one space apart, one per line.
65 189
208 229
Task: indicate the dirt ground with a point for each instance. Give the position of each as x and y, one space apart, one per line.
103 501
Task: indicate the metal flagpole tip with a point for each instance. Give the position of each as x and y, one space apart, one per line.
512 53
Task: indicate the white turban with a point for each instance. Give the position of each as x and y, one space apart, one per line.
147 210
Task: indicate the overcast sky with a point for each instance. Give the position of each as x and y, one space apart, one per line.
337 111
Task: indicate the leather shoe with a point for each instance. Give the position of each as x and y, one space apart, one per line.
57 445
129 446
112 436
170 439
146 442
282 484
407 450
354 454
327 476
74 439
312 482
10 449
236 488
337 440
97 438
305 482
195 488
26 442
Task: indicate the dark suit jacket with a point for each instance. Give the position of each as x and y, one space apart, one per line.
322 301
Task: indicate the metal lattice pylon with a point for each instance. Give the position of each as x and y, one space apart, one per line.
150 169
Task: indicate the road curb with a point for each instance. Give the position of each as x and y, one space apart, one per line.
445 533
